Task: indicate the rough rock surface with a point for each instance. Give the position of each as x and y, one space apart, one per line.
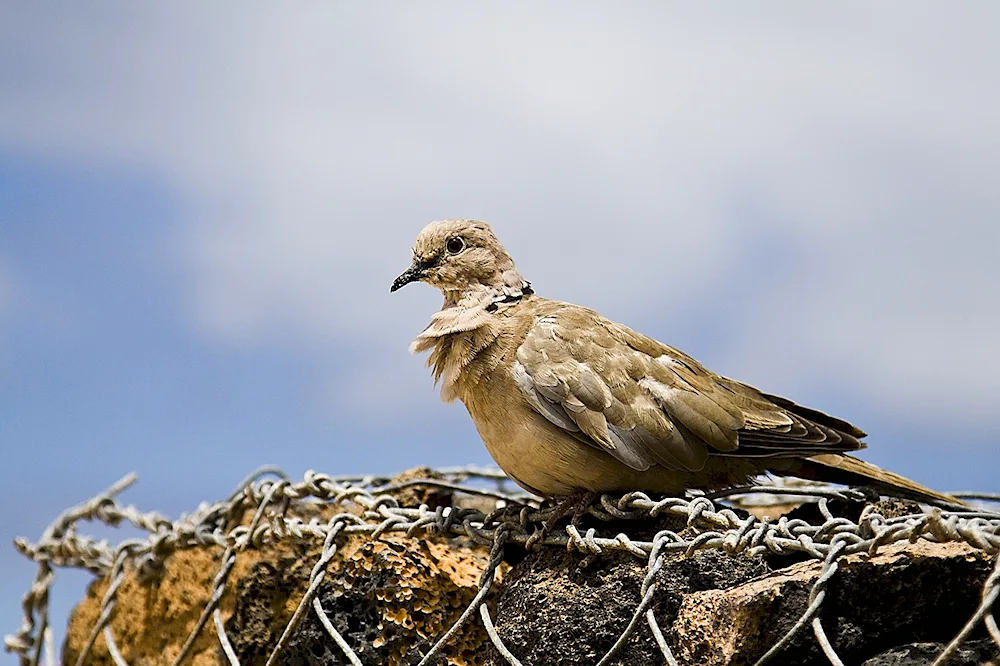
390 601
388 598
982 652
554 610
152 621
392 598
905 593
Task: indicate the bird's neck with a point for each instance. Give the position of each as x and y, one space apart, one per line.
467 339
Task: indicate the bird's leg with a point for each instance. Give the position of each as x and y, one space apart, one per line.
577 502
582 505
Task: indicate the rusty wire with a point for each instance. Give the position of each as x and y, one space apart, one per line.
712 527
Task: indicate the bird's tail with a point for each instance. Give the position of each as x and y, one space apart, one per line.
848 470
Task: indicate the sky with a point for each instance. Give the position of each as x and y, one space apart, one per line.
202 208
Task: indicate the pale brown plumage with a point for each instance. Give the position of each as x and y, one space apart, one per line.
568 400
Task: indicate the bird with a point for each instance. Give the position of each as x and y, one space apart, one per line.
567 401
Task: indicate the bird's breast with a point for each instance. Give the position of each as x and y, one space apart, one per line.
539 456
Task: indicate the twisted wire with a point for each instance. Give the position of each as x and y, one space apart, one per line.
365 505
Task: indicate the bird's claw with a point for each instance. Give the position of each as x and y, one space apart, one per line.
577 503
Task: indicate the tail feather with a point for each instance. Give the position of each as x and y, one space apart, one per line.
848 470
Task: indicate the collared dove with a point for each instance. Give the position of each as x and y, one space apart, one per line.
568 401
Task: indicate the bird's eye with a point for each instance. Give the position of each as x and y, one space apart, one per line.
455 245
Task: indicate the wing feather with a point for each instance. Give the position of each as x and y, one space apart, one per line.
646 403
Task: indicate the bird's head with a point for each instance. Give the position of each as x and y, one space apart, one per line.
464 259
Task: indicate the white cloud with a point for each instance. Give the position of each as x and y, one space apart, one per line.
659 145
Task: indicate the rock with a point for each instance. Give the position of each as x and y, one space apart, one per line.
416 495
393 597
553 611
983 652
390 601
152 620
905 593
389 598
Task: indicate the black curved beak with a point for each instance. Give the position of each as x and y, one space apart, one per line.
412 274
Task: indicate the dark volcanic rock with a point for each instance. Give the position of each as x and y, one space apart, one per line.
983 652
260 614
553 611
905 593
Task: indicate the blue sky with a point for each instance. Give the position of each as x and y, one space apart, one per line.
201 209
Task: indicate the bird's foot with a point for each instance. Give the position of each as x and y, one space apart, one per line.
510 513
578 503
582 506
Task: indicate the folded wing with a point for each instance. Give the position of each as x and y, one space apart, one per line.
648 404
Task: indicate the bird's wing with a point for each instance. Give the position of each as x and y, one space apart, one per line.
646 403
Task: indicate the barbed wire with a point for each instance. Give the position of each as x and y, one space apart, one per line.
367 505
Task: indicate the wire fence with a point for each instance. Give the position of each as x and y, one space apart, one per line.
370 506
